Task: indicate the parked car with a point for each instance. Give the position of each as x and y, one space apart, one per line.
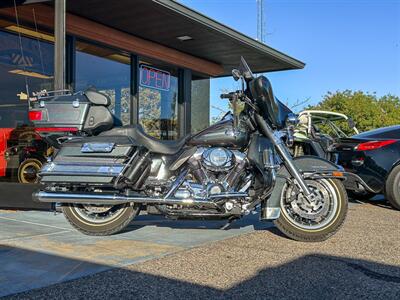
373 157
318 129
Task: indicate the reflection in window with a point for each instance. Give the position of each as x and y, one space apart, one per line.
26 70
108 71
26 66
158 100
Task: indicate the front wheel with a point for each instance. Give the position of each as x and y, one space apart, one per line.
100 219
317 220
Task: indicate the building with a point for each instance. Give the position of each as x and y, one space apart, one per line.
154 58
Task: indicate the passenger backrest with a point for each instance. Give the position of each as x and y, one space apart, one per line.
97 98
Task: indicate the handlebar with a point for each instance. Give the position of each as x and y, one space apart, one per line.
227 96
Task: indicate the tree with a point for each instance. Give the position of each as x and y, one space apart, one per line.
367 110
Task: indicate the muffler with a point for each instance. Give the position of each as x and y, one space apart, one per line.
115 199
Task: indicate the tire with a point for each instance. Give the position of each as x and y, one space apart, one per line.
28 169
360 195
337 210
392 188
122 215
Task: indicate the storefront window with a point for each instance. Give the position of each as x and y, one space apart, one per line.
158 99
107 71
26 66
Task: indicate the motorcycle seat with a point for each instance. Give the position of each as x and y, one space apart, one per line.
154 145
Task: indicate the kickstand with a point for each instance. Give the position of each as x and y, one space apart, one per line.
228 224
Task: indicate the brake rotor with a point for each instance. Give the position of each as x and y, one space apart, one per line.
305 208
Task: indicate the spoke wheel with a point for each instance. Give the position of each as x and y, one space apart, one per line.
100 219
316 220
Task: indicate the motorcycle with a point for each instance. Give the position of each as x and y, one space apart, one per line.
226 171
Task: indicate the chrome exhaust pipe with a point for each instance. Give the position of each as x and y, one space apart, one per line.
115 199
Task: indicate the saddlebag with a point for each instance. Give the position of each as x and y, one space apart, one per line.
95 161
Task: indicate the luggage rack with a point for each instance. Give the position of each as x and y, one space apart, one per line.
45 94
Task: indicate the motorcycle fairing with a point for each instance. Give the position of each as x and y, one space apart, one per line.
271 108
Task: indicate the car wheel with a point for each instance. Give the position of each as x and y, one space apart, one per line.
392 188
28 170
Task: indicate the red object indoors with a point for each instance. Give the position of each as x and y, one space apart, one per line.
4 137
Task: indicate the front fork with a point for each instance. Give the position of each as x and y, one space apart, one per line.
287 159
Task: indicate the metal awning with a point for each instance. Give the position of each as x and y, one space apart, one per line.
163 21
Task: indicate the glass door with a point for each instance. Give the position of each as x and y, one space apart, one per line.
158 99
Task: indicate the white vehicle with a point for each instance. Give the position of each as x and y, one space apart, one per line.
318 129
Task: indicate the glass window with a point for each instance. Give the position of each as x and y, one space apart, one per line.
108 71
158 99
200 103
26 65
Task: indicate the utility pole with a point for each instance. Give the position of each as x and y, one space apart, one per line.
261 30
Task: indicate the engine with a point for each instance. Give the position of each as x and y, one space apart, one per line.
218 169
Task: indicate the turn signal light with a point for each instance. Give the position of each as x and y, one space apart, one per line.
374 145
35 115
337 174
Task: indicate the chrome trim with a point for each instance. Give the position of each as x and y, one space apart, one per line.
81 169
97 147
176 184
111 199
114 199
272 213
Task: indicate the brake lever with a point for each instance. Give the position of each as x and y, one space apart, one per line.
247 100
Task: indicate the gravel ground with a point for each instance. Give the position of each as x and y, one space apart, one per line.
361 261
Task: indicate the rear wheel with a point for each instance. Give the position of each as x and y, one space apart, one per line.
313 221
392 188
100 219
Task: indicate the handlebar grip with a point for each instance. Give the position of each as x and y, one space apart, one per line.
226 96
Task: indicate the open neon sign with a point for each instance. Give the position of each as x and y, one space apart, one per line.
154 78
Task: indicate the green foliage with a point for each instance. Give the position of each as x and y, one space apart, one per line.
367 110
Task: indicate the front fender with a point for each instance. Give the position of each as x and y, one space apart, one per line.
270 208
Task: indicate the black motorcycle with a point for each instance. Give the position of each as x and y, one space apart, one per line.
226 171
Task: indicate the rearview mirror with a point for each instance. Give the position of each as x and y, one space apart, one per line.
291 120
236 74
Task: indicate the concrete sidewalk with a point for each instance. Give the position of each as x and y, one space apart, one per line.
38 249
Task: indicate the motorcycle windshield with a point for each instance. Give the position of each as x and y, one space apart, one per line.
271 108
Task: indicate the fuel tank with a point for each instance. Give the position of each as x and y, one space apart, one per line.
221 134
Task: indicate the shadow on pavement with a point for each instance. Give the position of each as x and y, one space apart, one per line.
312 276
161 221
378 200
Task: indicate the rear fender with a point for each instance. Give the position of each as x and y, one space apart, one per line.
270 208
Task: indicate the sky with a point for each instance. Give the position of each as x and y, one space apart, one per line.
346 44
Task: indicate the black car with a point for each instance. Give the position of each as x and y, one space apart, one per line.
373 160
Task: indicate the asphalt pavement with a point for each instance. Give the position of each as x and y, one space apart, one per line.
361 261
